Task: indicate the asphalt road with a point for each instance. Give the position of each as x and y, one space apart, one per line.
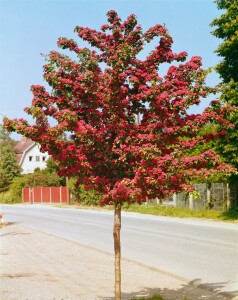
194 250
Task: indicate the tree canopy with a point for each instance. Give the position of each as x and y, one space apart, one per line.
226 28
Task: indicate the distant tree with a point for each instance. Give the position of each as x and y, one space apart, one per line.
5 137
97 99
9 169
51 166
226 28
51 170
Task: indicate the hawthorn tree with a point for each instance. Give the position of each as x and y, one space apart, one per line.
97 98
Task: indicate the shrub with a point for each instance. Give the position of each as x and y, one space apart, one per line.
14 194
5 197
83 196
16 189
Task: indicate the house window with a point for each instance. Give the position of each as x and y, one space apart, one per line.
30 158
43 158
37 158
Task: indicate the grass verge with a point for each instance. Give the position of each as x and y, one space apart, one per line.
171 211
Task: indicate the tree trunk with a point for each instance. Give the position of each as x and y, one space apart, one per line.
117 250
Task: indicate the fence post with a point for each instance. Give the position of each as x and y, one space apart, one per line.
209 205
228 201
67 190
30 195
33 194
41 195
208 194
50 195
190 201
175 198
68 196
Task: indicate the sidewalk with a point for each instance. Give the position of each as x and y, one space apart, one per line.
34 265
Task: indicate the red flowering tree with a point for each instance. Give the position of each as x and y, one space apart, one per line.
97 98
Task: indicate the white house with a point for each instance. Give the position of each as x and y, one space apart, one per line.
29 156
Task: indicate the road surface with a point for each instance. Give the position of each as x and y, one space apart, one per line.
194 250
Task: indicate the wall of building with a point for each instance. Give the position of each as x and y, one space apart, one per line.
33 159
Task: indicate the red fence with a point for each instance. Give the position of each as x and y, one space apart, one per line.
46 194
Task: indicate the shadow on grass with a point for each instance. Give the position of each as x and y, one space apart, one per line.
230 214
193 290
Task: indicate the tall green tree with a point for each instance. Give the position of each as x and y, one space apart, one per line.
226 28
5 138
9 169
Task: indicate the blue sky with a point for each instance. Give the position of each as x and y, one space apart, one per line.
31 27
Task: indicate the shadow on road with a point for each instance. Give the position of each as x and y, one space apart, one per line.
12 233
194 290
11 223
15 233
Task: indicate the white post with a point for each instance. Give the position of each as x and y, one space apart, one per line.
208 194
175 198
228 203
190 201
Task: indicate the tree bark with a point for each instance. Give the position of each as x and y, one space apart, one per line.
117 250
